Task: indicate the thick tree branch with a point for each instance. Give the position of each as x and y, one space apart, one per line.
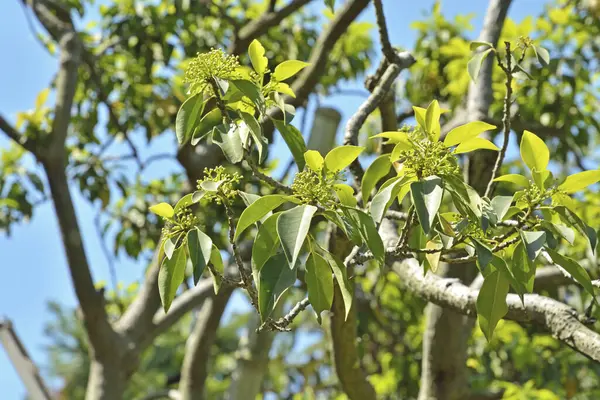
194 370
557 318
260 26
309 77
17 137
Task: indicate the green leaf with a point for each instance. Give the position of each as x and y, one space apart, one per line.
379 168
572 219
361 229
211 186
491 302
561 230
199 248
330 4
534 152
198 195
345 194
292 228
255 129
476 44
474 64
534 242
170 276
250 90
257 57
420 114
542 55
258 209
395 137
287 69
434 258
184 202
314 160
572 267
427 198
484 255
397 151
230 142
273 280
266 244
294 140
217 262
579 181
517 179
341 157
500 205
432 121
339 271
499 264
385 197
169 247
466 132
210 120
188 113
523 267
163 210
475 144
319 282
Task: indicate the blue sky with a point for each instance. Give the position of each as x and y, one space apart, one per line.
33 267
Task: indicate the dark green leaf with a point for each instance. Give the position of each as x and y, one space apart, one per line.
292 228
294 140
534 242
200 248
484 255
266 244
188 114
170 276
206 125
274 279
475 62
257 210
255 129
523 267
572 267
361 226
230 142
339 271
500 205
385 197
319 282
491 302
427 198
217 262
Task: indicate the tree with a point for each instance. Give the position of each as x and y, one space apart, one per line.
357 244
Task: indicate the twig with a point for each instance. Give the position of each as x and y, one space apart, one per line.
505 118
267 179
282 323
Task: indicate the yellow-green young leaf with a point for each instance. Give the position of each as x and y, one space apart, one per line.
287 69
434 258
345 194
340 157
314 160
466 132
398 149
534 152
163 210
292 228
491 302
257 57
580 181
432 121
420 113
379 168
285 89
319 282
217 262
513 178
170 276
394 137
258 209
41 98
339 271
475 144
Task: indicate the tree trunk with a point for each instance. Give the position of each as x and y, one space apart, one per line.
105 382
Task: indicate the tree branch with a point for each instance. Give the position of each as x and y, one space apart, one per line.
560 320
260 26
17 137
194 370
